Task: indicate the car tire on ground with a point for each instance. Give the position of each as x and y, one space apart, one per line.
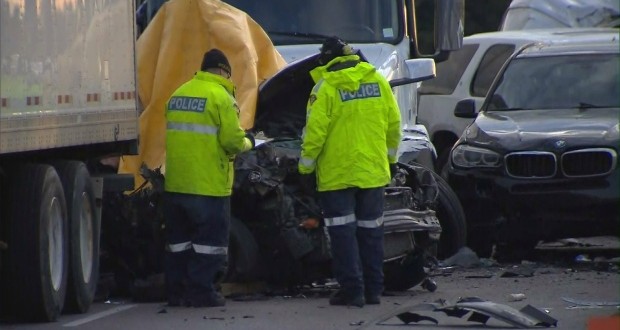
404 273
481 241
515 251
84 229
38 243
452 219
442 163
242 255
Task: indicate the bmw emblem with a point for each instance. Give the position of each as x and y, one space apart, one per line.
560 144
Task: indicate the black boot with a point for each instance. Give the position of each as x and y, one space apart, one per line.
340 298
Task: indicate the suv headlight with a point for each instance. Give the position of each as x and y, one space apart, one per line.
468 156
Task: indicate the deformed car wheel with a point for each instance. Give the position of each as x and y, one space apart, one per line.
404 273
242 254
452 219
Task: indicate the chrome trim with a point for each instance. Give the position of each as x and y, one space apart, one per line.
532 153
614 161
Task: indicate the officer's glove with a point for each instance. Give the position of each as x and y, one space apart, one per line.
250 137
307 183
393 170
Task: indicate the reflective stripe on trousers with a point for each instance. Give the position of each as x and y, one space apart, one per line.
202 249
343 220
179 247
207 249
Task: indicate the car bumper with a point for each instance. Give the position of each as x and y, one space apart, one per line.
590 205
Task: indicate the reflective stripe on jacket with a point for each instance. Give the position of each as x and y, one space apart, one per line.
352 129
202 136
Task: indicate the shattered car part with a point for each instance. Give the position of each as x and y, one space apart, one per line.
281 113
268 200
578 302
479 311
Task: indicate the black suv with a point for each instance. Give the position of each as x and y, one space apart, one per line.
540 160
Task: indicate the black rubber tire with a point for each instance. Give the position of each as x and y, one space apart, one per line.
441 165
452 219
84 230
404 273
38 243
242 254
515 251
481 241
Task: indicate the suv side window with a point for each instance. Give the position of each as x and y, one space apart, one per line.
488 68
449 72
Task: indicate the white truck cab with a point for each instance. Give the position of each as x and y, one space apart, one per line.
384 31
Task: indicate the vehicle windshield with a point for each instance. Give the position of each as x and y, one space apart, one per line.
581 81
310 21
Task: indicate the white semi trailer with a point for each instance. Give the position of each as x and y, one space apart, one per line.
67 100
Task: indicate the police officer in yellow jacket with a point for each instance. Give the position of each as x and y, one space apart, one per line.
350 141
202 136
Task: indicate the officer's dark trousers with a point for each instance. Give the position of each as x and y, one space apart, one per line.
197 229
355 224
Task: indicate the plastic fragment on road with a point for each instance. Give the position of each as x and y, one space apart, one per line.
516 297
524 271
464 257
591 303
479 311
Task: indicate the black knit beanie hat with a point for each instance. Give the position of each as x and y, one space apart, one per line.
215 58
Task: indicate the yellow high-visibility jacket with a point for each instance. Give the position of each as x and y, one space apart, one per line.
352 129
202 136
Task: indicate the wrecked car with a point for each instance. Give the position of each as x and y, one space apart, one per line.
540 161
277 235
277 231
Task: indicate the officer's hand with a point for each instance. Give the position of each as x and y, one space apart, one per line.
307 183
250 137
393 170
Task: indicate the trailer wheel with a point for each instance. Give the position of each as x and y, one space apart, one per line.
38 243
84 231
452 219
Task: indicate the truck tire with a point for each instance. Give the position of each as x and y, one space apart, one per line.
452 219
38 244
84 229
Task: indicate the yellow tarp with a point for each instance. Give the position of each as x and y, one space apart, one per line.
170 51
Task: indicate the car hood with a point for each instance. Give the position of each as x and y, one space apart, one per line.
282 99
545 129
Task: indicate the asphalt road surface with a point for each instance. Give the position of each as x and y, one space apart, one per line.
569 287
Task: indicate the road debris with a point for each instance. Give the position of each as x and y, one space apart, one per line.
519 271
479 310
465 257
578 302
516 297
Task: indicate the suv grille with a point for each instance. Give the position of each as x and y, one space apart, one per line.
588 162
530 164
577 163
